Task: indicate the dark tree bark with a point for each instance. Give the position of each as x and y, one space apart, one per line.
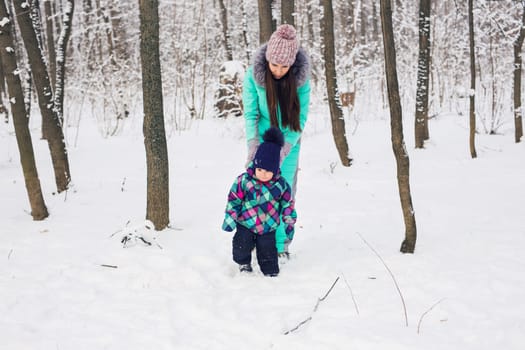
423 74
287 10
157 210
63 40
396 125
518 44
50 40
336 112
51 55
245 31
89 36
266 26
472 114
55 135
225 31
375 27
363 24
20 118
3 93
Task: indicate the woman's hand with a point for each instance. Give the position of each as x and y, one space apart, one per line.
253 144
285 150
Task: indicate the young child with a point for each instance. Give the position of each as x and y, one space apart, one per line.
258 200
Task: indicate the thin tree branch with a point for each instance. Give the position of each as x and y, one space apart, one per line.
315 309
426 312
391 275
351 293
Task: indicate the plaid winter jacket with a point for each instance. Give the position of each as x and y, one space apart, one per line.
259 206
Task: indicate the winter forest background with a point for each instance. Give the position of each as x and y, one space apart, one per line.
68 282
103 58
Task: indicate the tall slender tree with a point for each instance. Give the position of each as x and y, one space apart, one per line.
225 31
55 135
51 54
336 111
62 43
20 117
266 26
50 40
396 126
518 45
287 11
157 209
423 74
472 106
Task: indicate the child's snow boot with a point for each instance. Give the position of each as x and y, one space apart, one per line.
245 268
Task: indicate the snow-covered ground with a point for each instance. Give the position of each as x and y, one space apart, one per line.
463 288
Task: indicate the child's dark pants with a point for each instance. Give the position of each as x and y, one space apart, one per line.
243 243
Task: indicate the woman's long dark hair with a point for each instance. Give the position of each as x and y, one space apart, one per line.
283 93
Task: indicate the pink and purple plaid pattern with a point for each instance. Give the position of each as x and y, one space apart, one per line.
260 206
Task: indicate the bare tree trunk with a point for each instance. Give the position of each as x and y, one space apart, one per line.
61 58
518 124
50 39
472 118
225 31
375 27
336 111
287 11
265 20
396 124
245 31
362 21
20 118
423 73
55 135
3 93
154 134
103 15
118 31
310 21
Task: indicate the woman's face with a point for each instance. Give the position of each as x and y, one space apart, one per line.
278 70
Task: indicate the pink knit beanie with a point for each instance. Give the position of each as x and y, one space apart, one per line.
282 46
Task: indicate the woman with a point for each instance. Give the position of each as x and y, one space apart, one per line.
276 92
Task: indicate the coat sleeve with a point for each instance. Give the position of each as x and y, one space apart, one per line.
234 205
288 213
303 93
250 103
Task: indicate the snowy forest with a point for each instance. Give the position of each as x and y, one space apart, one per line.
120 245
102 58
84 60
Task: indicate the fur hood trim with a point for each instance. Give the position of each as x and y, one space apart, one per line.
300 68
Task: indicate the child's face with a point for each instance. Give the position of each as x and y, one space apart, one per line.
263 175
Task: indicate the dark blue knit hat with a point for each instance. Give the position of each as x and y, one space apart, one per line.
268 154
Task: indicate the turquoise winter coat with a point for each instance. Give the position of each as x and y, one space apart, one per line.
257 115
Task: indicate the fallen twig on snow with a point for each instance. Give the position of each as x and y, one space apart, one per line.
315 309
122 229
112 266
351 293
426 312
9 255
391 275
